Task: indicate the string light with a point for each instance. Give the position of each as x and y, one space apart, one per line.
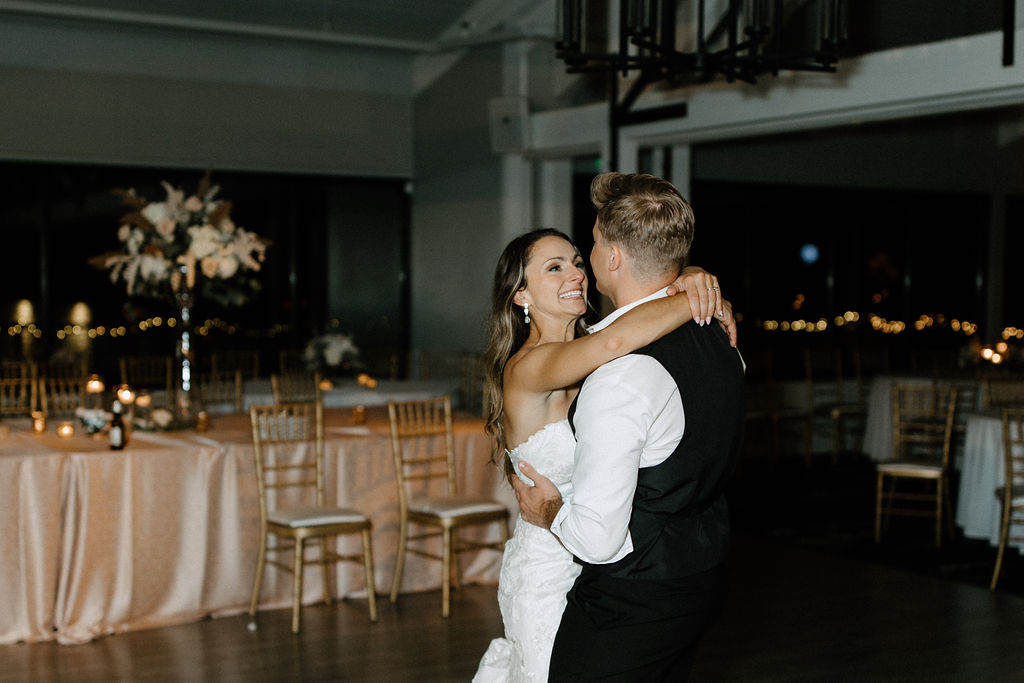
924 322
209 326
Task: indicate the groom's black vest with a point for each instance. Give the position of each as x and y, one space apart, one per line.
680 520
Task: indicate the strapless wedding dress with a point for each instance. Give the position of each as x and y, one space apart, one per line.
536 572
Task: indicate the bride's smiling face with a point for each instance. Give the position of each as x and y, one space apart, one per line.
556 282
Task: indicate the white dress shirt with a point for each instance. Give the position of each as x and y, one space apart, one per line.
628 415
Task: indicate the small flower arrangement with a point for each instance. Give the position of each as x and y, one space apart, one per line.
95 420
330 351
162 418
188 241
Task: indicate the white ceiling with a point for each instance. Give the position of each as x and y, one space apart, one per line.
412 25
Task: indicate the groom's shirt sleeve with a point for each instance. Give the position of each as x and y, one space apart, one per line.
628 415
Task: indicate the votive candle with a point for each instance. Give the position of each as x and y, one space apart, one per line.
38 421
94 385
125 394
66 430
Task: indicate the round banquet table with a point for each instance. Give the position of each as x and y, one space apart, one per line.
166 531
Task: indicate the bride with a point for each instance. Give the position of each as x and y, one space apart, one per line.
537 355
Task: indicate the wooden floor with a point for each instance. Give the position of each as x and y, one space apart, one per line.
812 599
795 614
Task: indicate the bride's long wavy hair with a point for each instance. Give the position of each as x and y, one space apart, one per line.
506 332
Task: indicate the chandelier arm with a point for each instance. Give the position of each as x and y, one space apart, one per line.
647 40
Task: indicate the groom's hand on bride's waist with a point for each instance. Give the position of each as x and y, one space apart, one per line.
538 504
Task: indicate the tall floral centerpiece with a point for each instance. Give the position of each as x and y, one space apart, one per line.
331 352
184 248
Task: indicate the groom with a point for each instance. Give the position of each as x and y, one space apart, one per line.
658 432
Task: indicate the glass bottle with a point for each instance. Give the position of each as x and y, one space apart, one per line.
117 427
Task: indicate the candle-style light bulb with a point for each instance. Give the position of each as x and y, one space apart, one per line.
125 394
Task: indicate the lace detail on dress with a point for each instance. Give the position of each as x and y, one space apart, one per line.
536 572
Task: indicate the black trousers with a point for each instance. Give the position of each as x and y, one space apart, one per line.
634 630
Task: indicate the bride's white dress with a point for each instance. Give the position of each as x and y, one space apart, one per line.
536 572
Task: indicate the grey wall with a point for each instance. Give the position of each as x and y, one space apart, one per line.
456 205
105 94
366 272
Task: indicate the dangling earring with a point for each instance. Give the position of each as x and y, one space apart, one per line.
526 313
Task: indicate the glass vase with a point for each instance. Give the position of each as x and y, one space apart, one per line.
186 395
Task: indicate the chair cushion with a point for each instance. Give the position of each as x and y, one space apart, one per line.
311 515
454 506
910 469
1017 501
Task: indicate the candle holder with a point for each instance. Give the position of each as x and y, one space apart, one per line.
66 430
38 421
359 415
94 387
125 395
141 411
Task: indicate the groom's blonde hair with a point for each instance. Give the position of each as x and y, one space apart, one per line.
646 217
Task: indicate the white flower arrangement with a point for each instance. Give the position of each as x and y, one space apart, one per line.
329 351
191 237
94 420
162 418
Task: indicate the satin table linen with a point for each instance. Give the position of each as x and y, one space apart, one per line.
978 511
166 531
32 488
347 393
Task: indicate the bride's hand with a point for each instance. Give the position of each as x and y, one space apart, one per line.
728 322
701 288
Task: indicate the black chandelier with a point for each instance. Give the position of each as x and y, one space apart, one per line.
672 41
681 41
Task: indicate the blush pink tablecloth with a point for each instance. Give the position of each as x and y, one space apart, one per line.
166 531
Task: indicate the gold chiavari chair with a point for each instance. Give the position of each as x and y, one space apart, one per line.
63 368
1011 493
222 389
866 363
826 391
247 362
14 369
295 387
382 362
968 400
467 367
290 361
288 447
1004 393
149 372
449 512
19 394
769 417
923 416
61 395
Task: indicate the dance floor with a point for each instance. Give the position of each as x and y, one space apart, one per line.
812 599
